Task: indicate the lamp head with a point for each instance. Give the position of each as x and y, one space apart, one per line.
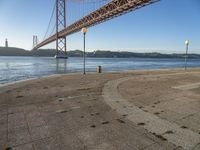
84 30
187 42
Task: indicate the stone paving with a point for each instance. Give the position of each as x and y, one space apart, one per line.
69 113
173 99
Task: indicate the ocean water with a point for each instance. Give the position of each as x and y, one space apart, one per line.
20 68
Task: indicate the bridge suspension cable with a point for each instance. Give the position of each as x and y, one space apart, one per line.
92 14
50 21
75 10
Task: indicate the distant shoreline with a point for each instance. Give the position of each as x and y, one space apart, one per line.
12 51
108 57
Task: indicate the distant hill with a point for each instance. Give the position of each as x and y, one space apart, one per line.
12 51
111 54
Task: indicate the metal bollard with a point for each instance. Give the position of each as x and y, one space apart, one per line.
99 69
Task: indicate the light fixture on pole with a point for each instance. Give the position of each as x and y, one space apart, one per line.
186 52
84 31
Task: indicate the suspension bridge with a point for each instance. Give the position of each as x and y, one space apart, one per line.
70 16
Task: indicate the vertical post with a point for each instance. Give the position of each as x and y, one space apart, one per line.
84 30
57 26
84 53
61 46
186 53
65 41
6 43
35 41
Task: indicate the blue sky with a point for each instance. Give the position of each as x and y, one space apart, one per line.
160 27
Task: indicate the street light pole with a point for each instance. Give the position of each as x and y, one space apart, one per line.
186 53
84 53
84 30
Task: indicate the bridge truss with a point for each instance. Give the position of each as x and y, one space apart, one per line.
110 10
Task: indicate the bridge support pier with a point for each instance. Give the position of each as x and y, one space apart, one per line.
61 47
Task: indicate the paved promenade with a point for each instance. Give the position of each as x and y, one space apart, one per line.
71 112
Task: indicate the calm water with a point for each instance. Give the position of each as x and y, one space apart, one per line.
20 68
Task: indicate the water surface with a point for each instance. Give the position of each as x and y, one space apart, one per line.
20 68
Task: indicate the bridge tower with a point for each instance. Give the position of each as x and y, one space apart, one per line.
35 40
6 43
61 47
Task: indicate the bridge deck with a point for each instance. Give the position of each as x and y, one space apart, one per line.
112 9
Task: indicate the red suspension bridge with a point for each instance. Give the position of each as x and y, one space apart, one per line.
103 11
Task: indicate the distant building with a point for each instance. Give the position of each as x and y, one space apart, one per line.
6 43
